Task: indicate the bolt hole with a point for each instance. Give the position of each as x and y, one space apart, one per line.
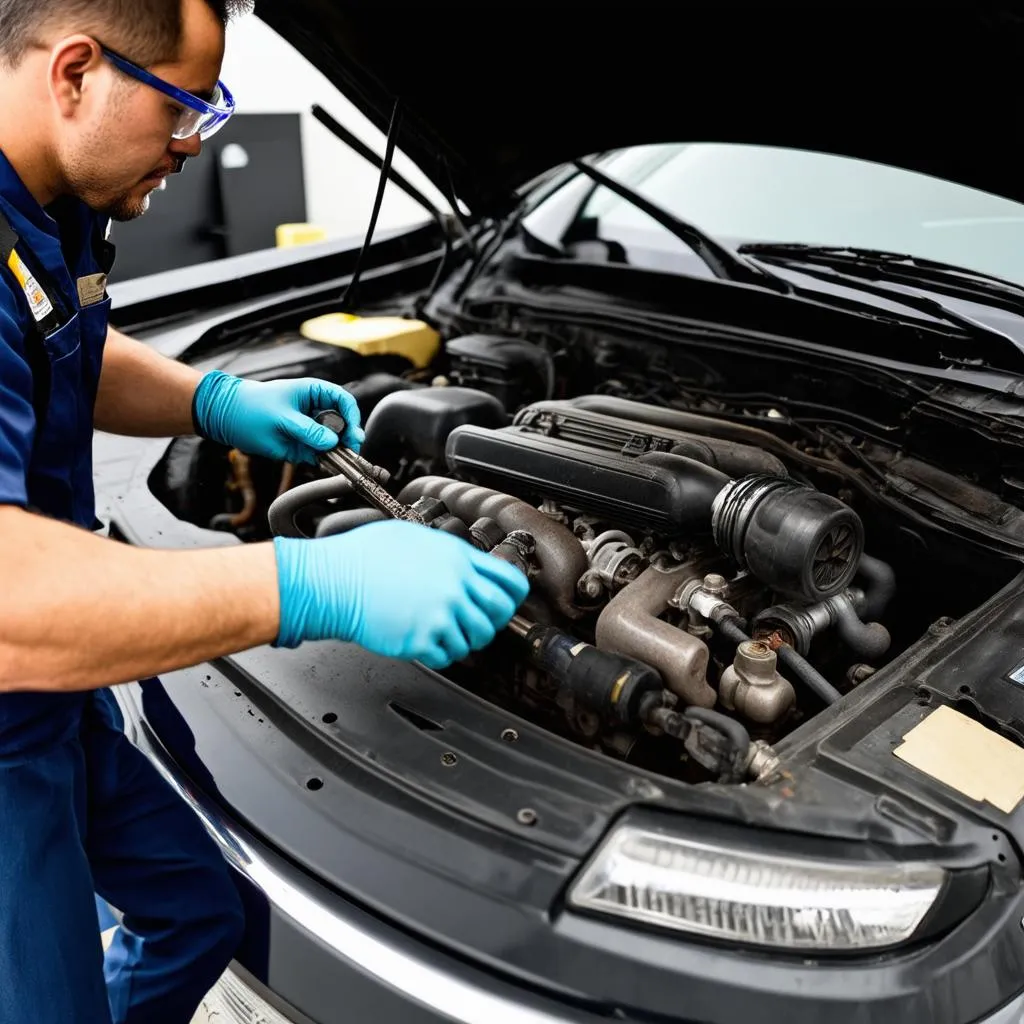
330 718
966 691
314 784
509 735
1002 858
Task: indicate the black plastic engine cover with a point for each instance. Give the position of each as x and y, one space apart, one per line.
618 433
664 493
514 370
422 420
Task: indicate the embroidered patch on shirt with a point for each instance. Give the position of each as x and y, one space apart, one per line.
92 289
38 302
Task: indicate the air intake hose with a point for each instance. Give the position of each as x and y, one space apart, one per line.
797 540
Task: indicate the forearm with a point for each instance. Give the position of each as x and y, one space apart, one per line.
142 393
122 613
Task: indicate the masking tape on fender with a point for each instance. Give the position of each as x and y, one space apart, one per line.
966 756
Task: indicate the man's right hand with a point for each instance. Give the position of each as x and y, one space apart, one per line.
398 589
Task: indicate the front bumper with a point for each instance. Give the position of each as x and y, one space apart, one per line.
316 958
239 994
308 934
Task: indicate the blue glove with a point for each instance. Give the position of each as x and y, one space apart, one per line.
398 589
273 418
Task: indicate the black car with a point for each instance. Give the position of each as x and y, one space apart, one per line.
723 343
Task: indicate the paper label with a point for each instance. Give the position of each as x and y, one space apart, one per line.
92 289
38 302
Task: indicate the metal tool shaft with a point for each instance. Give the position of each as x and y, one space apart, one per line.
347 464
520 626
366 479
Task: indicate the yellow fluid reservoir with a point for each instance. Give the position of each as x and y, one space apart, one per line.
288 235
376 336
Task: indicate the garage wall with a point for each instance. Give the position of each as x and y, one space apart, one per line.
268 76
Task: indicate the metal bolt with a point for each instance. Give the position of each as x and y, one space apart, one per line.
527 816
856 674
448 759
762 760
509 735
715 584
941 626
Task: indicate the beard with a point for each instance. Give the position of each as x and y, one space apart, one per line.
92 177
125 208
123 205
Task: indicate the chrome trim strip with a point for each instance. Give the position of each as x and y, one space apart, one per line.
458 1000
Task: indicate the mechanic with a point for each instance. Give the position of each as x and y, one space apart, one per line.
99 101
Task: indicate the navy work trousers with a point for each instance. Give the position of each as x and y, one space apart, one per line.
93 815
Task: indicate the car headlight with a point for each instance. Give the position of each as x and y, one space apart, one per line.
753 899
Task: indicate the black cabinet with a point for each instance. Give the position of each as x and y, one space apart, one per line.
249 179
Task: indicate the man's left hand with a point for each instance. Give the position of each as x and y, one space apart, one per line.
274 418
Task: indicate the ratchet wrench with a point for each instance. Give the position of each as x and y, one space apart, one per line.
368 482
367 479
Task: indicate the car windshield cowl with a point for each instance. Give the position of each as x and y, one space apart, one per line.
889 276
903 268
990 346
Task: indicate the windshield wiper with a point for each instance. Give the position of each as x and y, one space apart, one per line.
721 261
898 267
732 266
921 303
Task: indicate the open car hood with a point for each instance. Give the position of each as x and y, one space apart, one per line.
494 95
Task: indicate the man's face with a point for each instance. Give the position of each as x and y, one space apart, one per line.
120 150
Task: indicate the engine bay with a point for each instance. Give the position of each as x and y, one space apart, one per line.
706 577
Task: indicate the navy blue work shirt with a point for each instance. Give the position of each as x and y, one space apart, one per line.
56 279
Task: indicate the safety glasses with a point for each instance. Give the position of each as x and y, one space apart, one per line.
200 117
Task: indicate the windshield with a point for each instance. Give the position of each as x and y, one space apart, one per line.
740 193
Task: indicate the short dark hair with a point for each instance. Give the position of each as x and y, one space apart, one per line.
146 31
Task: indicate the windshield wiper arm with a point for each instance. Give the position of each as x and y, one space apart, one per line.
959 282
721 261
922 303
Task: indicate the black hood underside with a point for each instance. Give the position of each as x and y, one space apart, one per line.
494 95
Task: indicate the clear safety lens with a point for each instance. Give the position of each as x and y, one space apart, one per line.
203 123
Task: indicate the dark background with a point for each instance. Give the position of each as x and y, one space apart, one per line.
212 209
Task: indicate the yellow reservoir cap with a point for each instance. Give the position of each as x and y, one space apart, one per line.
376 336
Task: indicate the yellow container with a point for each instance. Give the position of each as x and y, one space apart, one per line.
376 336
289 235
